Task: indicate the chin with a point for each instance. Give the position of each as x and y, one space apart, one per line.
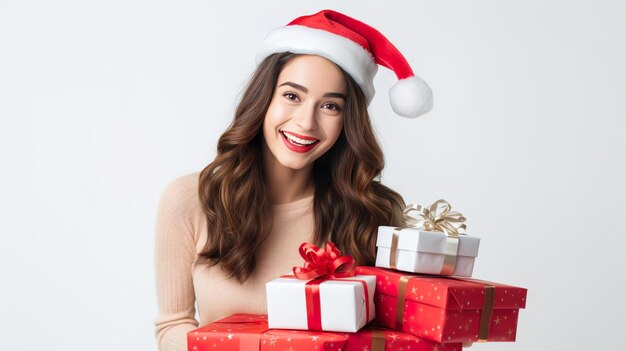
294 165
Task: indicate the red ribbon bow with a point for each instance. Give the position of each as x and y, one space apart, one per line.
324 263
320 265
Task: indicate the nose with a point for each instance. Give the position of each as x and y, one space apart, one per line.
306 117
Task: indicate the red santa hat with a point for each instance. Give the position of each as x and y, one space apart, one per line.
358 49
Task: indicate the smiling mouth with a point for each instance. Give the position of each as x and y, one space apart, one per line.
299 140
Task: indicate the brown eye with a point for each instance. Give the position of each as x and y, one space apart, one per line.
332 107
291 96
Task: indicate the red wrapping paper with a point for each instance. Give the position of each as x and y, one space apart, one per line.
249 332
445 309
301 340
394 341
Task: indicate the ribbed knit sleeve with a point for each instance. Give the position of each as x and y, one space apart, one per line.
175 254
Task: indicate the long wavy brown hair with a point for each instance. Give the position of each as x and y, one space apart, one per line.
349 202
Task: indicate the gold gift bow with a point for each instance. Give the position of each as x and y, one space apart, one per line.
437 217
485 315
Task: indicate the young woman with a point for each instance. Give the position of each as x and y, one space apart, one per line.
298 163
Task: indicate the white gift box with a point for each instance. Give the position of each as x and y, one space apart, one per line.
422 251
343 303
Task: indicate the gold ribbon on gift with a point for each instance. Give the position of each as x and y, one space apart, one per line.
378 340
485 314
401 300
437 217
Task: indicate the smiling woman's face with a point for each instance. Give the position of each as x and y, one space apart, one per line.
305 116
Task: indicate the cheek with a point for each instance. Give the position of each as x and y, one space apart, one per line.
334 129
272 119
277 112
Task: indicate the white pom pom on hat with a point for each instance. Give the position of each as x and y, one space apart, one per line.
411 97
358 49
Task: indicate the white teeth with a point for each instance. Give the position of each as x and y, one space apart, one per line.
298 140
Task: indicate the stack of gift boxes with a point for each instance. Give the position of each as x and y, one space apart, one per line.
418 297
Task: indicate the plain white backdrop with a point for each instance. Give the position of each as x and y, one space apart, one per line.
102 103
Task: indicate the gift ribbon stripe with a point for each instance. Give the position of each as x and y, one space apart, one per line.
485 317
486 312
378 340
401 300
314 304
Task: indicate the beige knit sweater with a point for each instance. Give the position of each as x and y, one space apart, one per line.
181 233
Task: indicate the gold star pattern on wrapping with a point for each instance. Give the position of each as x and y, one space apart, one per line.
230 336
510 332
393 337
314 338
498 320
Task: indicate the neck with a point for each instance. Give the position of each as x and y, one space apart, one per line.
285 184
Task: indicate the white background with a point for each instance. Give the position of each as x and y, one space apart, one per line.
103 103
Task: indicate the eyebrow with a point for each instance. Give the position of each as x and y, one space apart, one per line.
306 91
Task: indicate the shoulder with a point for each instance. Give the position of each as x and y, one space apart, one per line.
180 196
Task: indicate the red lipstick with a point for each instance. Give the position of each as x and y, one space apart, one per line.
296 147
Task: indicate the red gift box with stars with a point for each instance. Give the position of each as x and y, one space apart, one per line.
446 309
374 338
249 332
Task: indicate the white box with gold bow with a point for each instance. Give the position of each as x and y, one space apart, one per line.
421 251
430 244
